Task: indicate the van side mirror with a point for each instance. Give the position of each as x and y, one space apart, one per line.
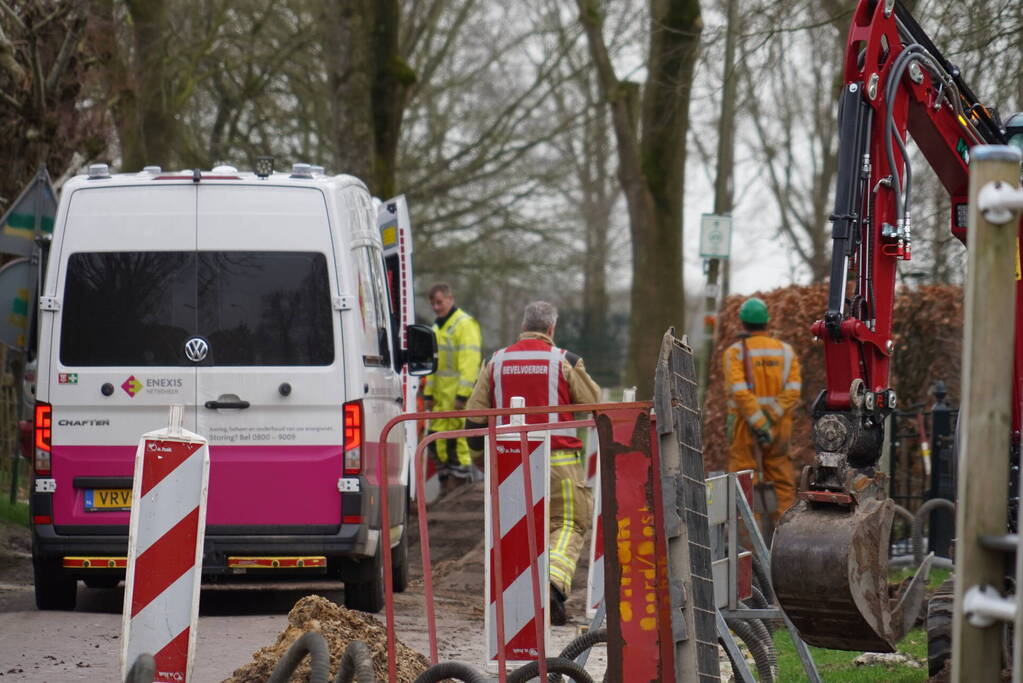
421 356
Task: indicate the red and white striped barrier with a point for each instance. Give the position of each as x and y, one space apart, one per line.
168 522
515 581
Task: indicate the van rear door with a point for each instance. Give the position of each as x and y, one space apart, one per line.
125 287
396 238
270 392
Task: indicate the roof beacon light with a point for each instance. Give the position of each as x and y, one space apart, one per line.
223 169
98 171
301 171
264 166
151 170
319 170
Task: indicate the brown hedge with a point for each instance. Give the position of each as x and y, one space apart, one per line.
927 332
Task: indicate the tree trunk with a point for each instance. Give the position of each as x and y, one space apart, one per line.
348 42
651 170
368 81
390 87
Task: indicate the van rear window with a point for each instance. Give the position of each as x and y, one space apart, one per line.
253 308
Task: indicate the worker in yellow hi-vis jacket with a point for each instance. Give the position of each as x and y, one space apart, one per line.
458 364
763 383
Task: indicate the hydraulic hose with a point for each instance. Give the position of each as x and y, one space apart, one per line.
583 643
918 524
143 670
757 648
458 671
555 665
356 664
311 643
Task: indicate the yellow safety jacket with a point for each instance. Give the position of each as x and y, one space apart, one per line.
458 360
775 381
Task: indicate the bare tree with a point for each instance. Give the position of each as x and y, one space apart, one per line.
44 114
650 130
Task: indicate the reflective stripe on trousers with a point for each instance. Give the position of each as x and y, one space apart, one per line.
571 513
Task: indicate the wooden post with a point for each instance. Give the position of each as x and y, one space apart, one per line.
986 413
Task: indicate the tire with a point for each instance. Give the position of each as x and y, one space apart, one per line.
368 596
102 581
399 557
939 627
54 590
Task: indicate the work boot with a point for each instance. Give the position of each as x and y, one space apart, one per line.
557 603
456 475
461 472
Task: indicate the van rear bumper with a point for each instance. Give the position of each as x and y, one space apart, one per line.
351 541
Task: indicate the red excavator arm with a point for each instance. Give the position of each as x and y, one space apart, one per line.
830 550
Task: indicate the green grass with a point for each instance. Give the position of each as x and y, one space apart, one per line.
934 579
836 666
16 513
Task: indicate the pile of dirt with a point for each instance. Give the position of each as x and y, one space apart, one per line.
927 332
339 627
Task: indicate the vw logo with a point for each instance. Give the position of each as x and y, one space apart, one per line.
196 349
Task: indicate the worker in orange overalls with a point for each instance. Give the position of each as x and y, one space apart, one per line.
763 383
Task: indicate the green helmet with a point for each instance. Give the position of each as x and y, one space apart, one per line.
754 311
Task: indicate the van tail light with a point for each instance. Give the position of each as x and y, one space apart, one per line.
43 434
354 432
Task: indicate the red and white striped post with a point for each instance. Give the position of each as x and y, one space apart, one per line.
165 541
516 581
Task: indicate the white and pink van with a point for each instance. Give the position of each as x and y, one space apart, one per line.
277 309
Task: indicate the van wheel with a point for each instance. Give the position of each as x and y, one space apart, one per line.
399 553
368 596
399 562
54 590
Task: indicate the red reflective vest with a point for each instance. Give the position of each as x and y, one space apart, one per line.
531 368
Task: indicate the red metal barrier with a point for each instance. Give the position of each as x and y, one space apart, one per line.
492 430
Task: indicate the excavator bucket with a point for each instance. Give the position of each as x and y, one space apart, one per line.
829 566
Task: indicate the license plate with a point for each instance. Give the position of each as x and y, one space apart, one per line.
107 499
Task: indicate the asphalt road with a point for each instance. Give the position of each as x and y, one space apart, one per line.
235 619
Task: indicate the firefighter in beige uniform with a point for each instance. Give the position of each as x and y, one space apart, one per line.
543 374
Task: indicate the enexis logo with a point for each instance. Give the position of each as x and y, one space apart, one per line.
132 386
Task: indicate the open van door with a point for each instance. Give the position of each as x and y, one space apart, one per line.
396 236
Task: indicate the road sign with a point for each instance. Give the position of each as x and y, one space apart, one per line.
715 236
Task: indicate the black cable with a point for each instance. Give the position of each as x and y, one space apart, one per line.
459 671
763 581
356 664
584 643
555 665
757 648
310 643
